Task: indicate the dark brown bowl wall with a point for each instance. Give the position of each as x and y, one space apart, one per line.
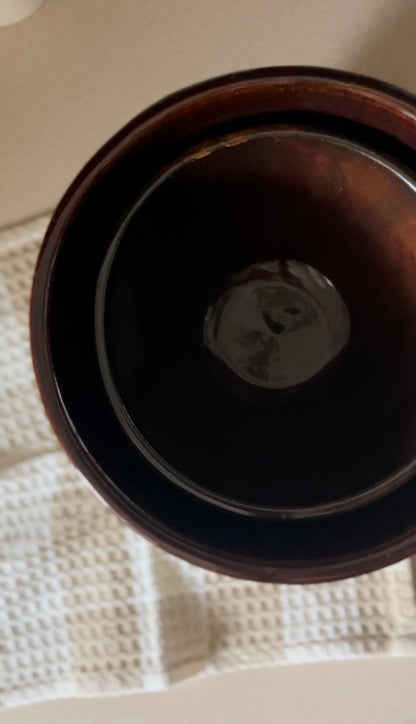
376 274
263 194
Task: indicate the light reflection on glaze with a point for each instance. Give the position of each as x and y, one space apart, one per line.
277 325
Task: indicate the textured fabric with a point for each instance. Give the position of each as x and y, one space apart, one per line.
88 607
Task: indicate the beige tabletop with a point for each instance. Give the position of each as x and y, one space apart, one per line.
70 76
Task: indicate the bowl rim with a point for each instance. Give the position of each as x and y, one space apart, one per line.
383 94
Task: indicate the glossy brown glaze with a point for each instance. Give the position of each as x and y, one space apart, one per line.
303 164
258 196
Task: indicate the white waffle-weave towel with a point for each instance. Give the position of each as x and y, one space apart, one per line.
87 607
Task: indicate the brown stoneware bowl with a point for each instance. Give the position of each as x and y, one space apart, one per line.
224 324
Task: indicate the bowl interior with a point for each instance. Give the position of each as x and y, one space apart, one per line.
285 194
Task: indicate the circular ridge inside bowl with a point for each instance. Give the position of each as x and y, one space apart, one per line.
261 194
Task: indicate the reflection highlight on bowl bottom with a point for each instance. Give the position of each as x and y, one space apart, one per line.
277 325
